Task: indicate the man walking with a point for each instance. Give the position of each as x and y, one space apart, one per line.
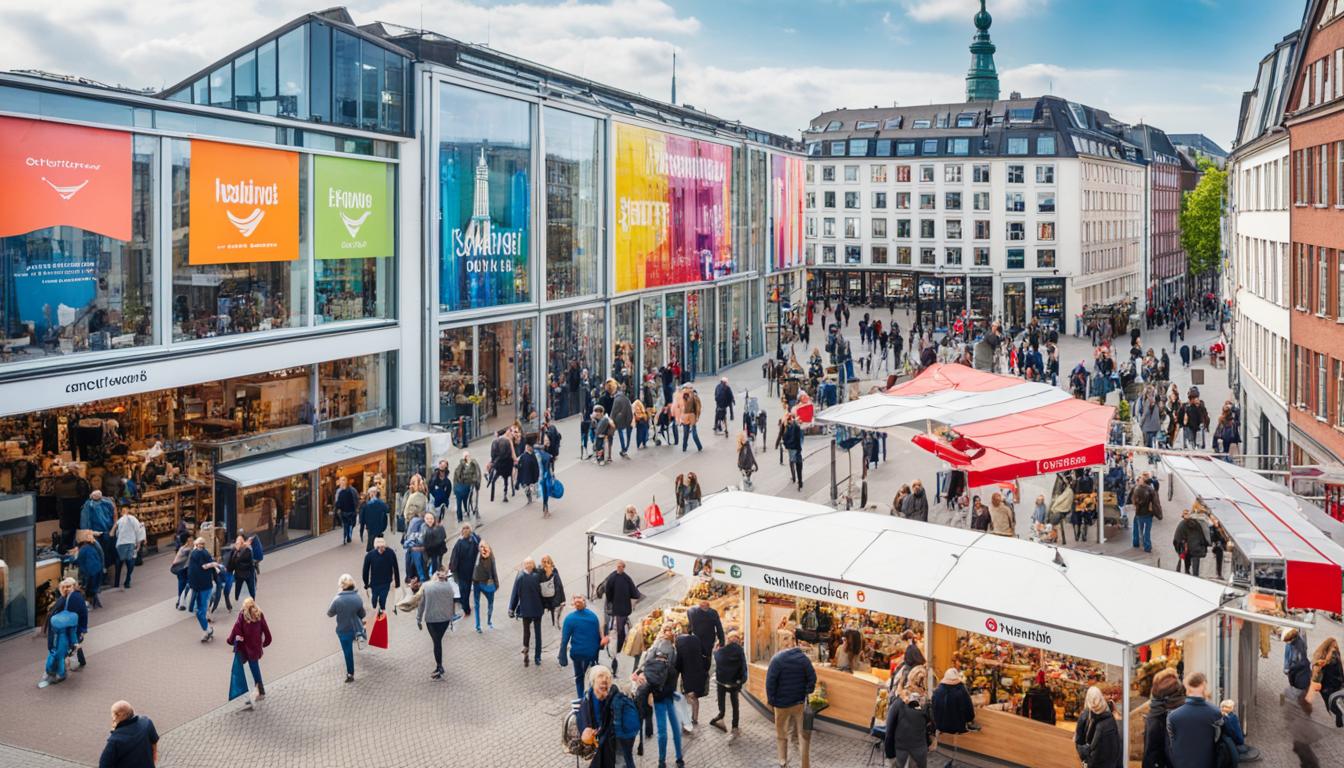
466 480
708 629
440 488
346 507
907 734
621 592
1147 507
372 517
581 634
130 536
730 674
462 564
132 743
381 573
525 603
99 515
788 681
723 404
690 415
792 439
623 419
1192 726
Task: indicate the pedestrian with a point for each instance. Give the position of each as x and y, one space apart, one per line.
620 593
437 611
1097 738
525 602
1219 543
690 416
129 535
1192 726
908 733
89 559
1328 673
179 569
586 431
416 503
412 543
789 680
346 508
1191 543
730 674
249 636
609 719
462 564
99 516
746 459
65 635
466 481
658 679
348 610
1296 664
381 574
791 437
242 568
201 570
692 495
679 493
581 639
1167 694
1194 420
552 590
546 470
705 624
641 414
441 488
951 704
1147 508
501 463
724 400
1003 521
132 741
1038 704
622 417
603 430
527 472
693 671
485 581
916 505
434 538
630 525
372 517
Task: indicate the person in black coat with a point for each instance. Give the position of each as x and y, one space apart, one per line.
1038 704
1190 542
527 473
951 707
692 671
346 507
525 603
707 627
1167 694
1097 738
730 674
372 518
381 573
462 564
908 732
434 538
620 592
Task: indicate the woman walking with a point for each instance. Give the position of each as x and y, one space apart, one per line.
485 581
546 464
692 492
348 610
641 424
179 569
417 501
67 622
89 558
1328 672
249 635
746 460
609 719
243 566
552 590
1097 739
437 610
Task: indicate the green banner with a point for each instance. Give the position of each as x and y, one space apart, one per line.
352 217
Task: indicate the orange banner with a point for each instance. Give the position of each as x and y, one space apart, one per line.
244 204
64 175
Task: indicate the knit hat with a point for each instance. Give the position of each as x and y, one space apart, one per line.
951 677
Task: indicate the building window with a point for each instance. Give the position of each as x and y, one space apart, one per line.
980 201
573 170
853 254
880 200
851 173
902 201
1339 167
1045 202
952 201
902 174
1045 145
1017 145
1045 231
928 201
928 257
980 173
811 226
828 254
1322 280
879 254
1339 296
981 229
953 229
879 227
1016 258
883 148
1015 202
952 173
905 148
828 199
966 120
930 147
921 124
858 147
828 226
903 255
852 200
926 229
811 173
1017 174
1322 395
960 147
837 149
953 256
877 173
1299 378
1045 174
1017 230
1045 258
926 174
811 199
981 257
1339 393
851 226
828 173
903 229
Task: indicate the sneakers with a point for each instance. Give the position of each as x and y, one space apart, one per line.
359 642
437 674
349 678
718 723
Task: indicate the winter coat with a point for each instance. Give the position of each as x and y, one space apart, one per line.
907 728
723 396
1190 538
249 637
485 572
373 517
415 506
525 600
789 678
1150 415
96 516
242 564
501 455
440 488
529 471
952 708
1038 705
1146 501
916 506
690 665
75 602
199 577
347 504
730 666
792 437
381 569
690 408
463 560
348 610
622 413
746 459
89 558
705 625
620 593
437 602
467 473
556 600
581 635
1190 732
435 541
1097 740
1001 520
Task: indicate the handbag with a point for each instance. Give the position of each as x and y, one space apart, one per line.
64 619
378 632
139 556
548 588
237 678
555 489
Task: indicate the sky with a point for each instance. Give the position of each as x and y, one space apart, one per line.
1180 65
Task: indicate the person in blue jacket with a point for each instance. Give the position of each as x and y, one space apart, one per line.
1191 727
525 603
89 559
201 571
611 716
372 518
788 681
951 704
346 507
581 634
59 642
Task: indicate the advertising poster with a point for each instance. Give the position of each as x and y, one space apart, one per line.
786 183
484 195
64 175
352 208
53 294
673 209
244 204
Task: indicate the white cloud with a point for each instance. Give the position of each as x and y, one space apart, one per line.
963 10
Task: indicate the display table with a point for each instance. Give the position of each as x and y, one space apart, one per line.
852 697
1016 739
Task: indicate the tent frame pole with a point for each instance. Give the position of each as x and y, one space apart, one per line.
1101 503
1128 664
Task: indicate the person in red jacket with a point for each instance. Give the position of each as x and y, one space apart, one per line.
248 636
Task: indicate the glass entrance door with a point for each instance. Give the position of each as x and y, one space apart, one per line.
17 606
652 328
1014 306
676 331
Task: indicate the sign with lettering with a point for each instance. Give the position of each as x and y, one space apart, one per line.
64 175
1027 633
244 204
352 208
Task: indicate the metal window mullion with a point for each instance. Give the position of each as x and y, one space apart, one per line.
162 260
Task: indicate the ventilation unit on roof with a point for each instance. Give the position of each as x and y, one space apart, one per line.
1014 95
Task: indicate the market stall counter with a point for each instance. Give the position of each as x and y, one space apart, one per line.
1022 621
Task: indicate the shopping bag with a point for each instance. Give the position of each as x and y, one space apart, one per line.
238 678
378 632
683 708
557 489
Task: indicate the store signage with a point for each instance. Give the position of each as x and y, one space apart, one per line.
244 204
1021 632
352 209
787 200
64 175
821 589
1087 457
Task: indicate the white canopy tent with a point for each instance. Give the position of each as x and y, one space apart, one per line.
951 407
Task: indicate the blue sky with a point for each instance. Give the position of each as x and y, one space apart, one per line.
1179 64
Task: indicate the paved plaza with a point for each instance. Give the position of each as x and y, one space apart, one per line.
489 710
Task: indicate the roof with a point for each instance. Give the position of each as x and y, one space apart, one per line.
1263 106
881 555
1198 142
950 394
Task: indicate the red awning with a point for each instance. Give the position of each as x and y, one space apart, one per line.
942 377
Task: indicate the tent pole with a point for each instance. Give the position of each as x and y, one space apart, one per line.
1124 704
1101 503
834 491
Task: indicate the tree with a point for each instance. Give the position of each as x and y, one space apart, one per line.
1201 221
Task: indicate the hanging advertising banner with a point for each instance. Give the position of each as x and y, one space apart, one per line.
352 208
64 175
244 204
673 209
786 183
484 196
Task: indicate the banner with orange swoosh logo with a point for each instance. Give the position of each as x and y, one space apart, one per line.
244 204
64 175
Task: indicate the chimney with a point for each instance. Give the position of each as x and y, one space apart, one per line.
1014 95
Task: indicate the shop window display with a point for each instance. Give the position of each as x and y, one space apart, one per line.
66 290
999 675
353 244
504 367
575 342
625 344
573 172
352 395
459 392
652 330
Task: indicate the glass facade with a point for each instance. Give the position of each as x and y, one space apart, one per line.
575 344
573 176
625 340
354 395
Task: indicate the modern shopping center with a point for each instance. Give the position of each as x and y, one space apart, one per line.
293 265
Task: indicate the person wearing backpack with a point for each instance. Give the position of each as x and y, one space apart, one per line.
909 733
603 429
661 664
66 632
1147 508
610 719
730 674
1296 663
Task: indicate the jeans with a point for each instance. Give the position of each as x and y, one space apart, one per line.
125 556
508 480
436 630
789 719
917 757
181 584
347 530
688 432
255 666
462 492
732 693
222 590
199 604
464 590
378 596
628 750
641 434
616 626
624 436
250 580
417 560
530 624
1143 532
348 650
1192 565
665 715
489 604
581 667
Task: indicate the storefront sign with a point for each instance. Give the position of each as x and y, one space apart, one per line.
64 175
821 589
352 209
244 204
787 188
1034 635
673 209
1087 457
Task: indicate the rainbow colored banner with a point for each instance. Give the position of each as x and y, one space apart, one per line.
673 209
786 187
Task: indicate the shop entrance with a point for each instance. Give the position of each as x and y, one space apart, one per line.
505 373
17 572
1014 306
652 333
279 511
699 321
363 473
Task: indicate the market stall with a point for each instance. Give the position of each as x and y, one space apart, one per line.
847 586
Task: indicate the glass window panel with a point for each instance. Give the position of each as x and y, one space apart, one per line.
245 82
573 176
458 386
353 395
266 87
65 291
346 79
370 84
293 74
576 351
200 91
221 87
759 178
392 114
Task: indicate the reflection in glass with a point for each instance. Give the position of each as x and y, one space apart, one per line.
573 169
505 373
353 395
653 333
676 331
458 392
624 323
575 344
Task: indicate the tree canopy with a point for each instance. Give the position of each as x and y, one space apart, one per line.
1201 220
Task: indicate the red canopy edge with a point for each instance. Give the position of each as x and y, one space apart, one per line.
1313 586
940 377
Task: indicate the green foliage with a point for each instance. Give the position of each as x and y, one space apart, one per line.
1122 411
1201 225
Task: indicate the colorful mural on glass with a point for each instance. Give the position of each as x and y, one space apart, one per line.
485 223
786 186
673 209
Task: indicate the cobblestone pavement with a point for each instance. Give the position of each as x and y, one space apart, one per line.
489 711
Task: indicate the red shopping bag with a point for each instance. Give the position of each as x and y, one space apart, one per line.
378 632
653 516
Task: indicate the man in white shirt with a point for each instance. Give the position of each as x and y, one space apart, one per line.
130 536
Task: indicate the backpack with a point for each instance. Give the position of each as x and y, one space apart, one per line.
626 715
656 670
1225 751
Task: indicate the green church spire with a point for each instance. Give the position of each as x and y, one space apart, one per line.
982 80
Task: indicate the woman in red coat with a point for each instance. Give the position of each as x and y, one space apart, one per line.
248 636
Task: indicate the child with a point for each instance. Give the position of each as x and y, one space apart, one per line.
585 432
1232 729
